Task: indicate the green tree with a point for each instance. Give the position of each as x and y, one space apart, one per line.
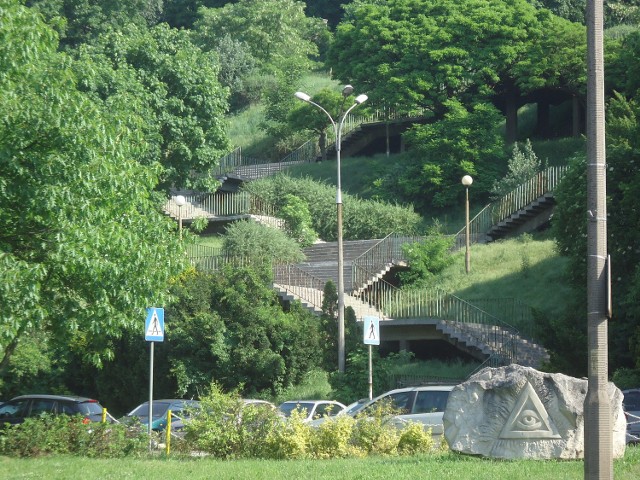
175 86
296 213
83 21
423 52
311 118
522 166
269 349
464 142
569 223
80 230
277 32
427 258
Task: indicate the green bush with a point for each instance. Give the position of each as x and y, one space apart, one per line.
427 258
415 439
47 434
256 242
375 432
291 440
362 219
333 439
226 427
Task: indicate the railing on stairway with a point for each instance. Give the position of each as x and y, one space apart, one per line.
300 283
220 204
378 257
537 186
308 151
461 316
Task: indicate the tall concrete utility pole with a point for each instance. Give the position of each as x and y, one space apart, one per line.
598 462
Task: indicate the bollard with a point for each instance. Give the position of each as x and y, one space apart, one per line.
104 415
168 432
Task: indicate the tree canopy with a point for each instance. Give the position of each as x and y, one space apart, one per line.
175 85
83 245
423 52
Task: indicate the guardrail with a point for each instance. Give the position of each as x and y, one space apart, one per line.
537 186
299 283
378 257
219 204
464 317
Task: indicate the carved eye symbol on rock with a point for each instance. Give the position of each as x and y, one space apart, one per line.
529 420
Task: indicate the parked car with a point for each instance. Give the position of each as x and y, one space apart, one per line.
631 406
312 409
180 412
259 403
19 408
425 405
353 408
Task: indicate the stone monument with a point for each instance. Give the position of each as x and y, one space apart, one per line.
518 412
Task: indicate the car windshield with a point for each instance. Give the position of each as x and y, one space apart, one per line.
159 409
632 401
288 408
356 407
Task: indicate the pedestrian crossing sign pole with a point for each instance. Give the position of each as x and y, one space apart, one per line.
371 337
153 332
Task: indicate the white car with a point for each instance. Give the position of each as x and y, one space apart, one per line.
631 405
312 409
425 405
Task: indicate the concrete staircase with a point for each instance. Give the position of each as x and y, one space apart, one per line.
469 337
527 219
322 260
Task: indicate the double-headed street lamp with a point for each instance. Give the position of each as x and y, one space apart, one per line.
467 181
337 128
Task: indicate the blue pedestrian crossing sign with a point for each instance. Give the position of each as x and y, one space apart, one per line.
154 325
371 331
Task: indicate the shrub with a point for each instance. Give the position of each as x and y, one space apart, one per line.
363 219
225 427
256 242
333 437
62 434
427 258
296 213
291 440
415 439
375 432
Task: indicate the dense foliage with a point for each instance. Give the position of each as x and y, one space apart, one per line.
361 219
227 428
63 435
173 85
623 217
76 246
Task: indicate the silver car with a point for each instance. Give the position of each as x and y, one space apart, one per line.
631 405
424 404
312 409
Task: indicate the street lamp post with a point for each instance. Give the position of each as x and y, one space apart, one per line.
467 181
181 202
337 129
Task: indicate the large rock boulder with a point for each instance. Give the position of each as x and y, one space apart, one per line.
518 412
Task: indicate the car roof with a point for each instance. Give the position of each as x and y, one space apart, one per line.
312 401
421 388
71 398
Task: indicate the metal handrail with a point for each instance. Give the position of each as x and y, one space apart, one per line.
384 253
220 204
540 184
300 283
461 315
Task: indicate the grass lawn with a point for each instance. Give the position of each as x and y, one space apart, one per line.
441 467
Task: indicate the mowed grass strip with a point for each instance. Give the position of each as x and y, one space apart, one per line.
441 466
